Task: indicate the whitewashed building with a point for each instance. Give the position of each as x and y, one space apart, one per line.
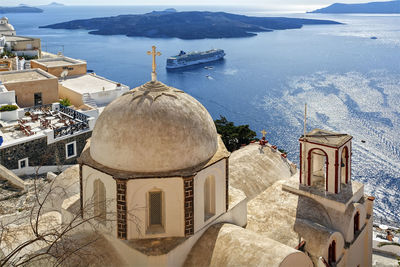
45 138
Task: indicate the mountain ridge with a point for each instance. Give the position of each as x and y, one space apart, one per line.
389 7
20 9
186 25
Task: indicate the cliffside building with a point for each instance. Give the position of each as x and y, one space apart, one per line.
32 87
61 66
23 46
90 90
42 138
84 90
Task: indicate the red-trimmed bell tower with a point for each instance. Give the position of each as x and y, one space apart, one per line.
325 160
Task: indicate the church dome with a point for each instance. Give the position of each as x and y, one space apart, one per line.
10 27
154 129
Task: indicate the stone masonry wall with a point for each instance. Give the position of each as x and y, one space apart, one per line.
121 209
189 208
40 154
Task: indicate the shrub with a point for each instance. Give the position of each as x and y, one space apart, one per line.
65 102
282 151
8 108
234 136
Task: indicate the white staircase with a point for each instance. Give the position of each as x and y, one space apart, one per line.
88 100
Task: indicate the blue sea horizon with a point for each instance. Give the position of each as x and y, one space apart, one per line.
350 82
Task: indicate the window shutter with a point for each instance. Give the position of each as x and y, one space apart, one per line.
155 208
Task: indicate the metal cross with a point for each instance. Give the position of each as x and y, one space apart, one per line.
154 54
264 133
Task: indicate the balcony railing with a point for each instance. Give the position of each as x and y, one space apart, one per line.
43 108
70 129
74 114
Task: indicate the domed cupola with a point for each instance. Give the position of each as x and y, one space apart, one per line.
154 128
155 166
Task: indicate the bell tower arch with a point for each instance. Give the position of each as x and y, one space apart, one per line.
325 160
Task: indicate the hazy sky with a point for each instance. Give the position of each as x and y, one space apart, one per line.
183 2
266 4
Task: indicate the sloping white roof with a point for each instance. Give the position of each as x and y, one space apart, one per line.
253 169
231 245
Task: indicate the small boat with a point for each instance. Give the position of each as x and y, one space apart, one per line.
362 141
374 37
208 67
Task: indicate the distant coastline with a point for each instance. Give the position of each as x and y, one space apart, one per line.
53 4
186 25
390 7
20 9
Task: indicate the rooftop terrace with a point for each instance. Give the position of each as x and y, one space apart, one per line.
59 62
60 120
89 83
15 38
24 76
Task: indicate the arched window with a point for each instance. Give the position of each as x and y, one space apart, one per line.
318 168
344 170
155 200
99 201
332 253
356 222
209 197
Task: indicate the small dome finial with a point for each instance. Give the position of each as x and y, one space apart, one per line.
154 54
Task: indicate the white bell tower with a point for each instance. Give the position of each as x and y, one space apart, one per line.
325 160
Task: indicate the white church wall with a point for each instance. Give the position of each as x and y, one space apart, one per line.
105 97
368 240
358 254
89 175
338 238
358 207
218 171
296 259
236 215
173 202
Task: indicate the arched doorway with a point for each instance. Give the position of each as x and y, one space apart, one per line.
344 170
356 222
332 253
318 169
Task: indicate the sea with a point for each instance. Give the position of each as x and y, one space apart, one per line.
350 82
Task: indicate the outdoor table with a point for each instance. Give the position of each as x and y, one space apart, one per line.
50 118
383 227
38 112
26 118
58 125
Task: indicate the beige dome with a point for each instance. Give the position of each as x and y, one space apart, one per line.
153 128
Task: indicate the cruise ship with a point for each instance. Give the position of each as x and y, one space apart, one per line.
187 59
